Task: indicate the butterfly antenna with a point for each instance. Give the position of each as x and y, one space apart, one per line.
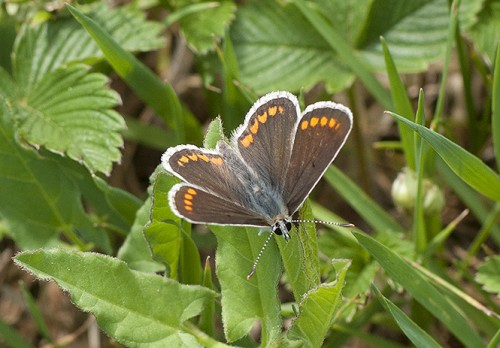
327 223
254 267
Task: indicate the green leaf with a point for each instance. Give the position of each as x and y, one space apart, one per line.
135 250
300 255
70 111
215 132
316 312
277 49
467 166
119 202
161 97
420 288
416 31
156 305
245 301
402 105
163 230
54 197
202 28
43 49
485 33
345 52
419 337
488 274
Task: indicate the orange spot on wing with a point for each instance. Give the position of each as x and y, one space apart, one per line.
188 202
262 118
247 140
216 160
204 158
314 121
332 123
193 157
272 110
280 109
255 127
192 191
323 121
304 125
188 208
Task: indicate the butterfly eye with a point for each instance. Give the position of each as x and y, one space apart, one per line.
277 229
288 225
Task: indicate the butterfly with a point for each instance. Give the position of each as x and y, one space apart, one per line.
263 174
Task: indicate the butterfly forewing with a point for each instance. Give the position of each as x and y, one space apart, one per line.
264 140
198 206
320 135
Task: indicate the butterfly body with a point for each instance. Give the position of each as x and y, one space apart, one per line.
266 171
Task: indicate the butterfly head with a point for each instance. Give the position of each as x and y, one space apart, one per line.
282 227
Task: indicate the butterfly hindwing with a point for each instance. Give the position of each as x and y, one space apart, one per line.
321 133
198 206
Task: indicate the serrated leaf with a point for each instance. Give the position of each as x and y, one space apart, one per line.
202 28
277 49
488 274
156 305
157 94
70 111
316 312
53 44
418 336
467 166
54 197
245 301
420 288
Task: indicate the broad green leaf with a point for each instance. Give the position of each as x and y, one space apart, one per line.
69 111
419 337
485 33
55 43
156 305
277 49
8 88
120 202
416 31
364 205
316 312
160 96
425 293
300 255
245 301
345 52
202 28
54 197
467 166
488 274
